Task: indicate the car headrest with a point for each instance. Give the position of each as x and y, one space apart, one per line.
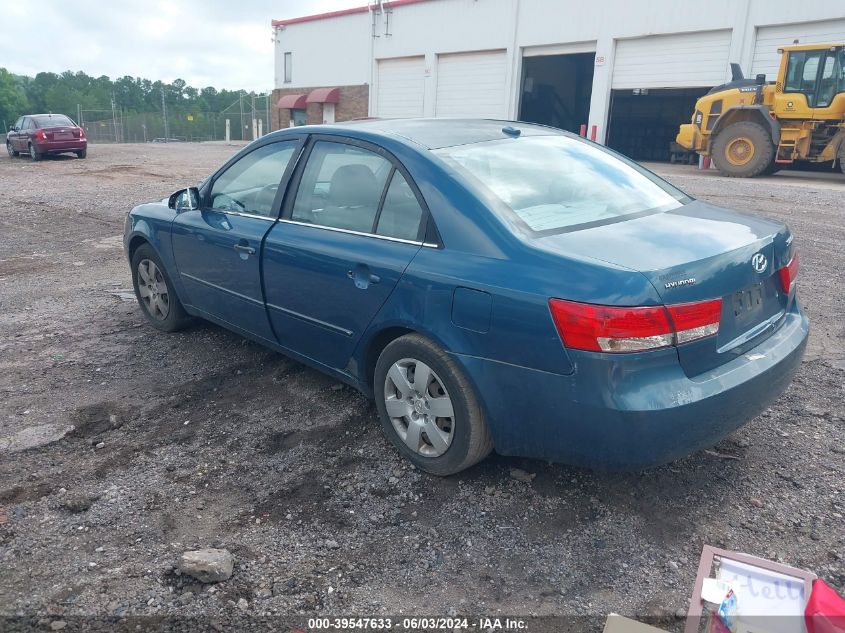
353 185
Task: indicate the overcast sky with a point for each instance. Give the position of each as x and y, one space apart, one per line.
220 43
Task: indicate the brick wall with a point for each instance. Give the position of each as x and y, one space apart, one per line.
353 104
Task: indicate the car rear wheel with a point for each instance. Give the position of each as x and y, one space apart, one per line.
82 153
155 292
428 408
12 152
743 150
33 153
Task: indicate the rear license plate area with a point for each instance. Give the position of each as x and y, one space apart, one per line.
747 304
63 136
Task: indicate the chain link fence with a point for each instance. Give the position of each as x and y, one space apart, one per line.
245 120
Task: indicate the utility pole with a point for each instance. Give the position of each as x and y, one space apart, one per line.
164 115
241 100
269 127
114 118
79 115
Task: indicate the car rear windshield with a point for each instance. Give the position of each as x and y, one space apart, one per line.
553 184
52 120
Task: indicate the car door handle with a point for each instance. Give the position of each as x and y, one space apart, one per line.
362 277
243 248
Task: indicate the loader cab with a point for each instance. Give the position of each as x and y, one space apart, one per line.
811 83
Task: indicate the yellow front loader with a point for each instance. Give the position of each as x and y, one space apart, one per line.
750 127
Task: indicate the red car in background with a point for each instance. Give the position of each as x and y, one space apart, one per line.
40 134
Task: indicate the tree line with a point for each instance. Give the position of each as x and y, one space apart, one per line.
69 91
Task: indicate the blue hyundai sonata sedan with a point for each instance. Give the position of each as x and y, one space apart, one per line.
490 284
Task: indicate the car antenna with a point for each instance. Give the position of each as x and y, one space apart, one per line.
511 131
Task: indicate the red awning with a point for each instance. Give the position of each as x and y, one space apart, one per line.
292 102
324 95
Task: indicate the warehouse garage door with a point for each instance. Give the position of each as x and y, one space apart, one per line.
770 38
656 82
401 87
472 85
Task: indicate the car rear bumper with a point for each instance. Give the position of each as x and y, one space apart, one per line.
626 413
51 147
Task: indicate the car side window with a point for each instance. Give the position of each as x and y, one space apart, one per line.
401 213
341 187
250 185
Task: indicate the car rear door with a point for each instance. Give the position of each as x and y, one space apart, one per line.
217 247
345 238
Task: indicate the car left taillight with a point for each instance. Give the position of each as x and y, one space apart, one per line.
616 329
40 135
788 273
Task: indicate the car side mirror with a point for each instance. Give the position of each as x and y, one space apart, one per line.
12 128
185 200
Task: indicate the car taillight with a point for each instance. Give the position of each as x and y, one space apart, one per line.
788 273
618 329
40 135
81 133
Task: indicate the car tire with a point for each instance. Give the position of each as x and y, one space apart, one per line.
155 292
82 153
33 153
408 410
743 150
12 152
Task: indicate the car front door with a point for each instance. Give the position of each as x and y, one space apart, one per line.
17 134
342 244
217 247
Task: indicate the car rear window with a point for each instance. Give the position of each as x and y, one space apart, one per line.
552 184
51 120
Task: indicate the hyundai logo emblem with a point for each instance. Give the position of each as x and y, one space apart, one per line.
759 263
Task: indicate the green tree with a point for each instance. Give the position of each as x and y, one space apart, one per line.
13 101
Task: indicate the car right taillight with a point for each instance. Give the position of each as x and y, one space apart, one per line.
788 273
598 328
81 133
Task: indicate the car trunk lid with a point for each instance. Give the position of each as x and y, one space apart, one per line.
696 253
61 133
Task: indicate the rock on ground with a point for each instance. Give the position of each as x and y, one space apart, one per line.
207 565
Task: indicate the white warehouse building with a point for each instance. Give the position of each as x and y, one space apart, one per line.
628 72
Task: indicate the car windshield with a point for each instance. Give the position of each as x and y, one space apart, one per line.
52 120
559 183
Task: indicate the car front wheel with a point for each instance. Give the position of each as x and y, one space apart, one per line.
428 408
12 152
155 292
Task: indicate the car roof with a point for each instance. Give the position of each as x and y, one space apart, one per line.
438 133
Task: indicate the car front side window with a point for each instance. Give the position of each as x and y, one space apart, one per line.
341 187
250 184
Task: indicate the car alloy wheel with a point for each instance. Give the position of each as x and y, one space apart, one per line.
10 150
419 407
153 290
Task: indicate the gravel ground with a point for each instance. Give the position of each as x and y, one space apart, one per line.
202 439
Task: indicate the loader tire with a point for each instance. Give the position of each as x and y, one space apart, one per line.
743 150
842 157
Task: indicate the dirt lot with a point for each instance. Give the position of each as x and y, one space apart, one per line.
202 439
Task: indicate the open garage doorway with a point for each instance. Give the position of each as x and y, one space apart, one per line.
644 121
556 90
